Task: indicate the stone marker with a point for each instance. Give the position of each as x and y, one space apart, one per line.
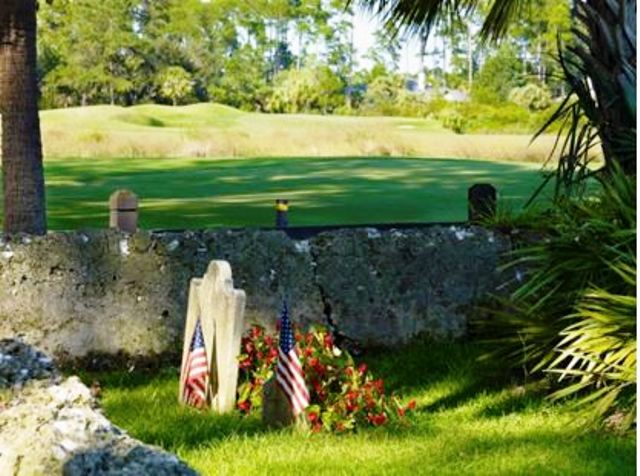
482 201
221 312
276 410
123 207
282 213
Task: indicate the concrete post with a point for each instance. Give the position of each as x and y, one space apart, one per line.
123 211
482 198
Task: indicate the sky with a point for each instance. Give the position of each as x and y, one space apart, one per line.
365 26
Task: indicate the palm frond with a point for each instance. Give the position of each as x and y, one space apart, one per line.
423 15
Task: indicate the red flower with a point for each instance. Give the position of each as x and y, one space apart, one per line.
401 411
313 417
246 363
268 340
378 419
256 331
273 353
249 347
328 341
244 406
362 368
308 338
348 371
411 405
379 385
352 407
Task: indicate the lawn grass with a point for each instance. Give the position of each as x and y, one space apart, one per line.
467 422
204 193
213 130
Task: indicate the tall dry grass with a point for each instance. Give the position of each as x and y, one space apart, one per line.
212 131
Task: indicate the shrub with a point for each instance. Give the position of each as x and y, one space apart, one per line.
454 120
574 314
344 396
531 96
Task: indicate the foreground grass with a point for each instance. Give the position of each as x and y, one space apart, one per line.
211 130
202 193
464 424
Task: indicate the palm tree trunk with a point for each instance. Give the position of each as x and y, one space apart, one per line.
23 178
615 117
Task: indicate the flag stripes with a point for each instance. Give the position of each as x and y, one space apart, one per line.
289 374
195 372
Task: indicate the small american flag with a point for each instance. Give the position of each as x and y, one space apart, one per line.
195 373
289 371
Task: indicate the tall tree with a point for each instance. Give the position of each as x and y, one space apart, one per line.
603 65
22 170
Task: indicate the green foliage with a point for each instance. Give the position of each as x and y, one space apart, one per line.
532 96
314 88
574 314
500 73
480 117
174 84
454 120
343 396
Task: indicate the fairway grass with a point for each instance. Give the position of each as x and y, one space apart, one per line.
465 424
213 130
207 193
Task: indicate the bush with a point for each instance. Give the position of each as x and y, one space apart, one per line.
574 313
311 89
531 96
455 121
344 396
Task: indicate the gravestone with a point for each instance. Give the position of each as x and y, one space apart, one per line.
123 211
220 308
276 410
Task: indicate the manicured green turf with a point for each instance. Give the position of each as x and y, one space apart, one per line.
199 193
465 424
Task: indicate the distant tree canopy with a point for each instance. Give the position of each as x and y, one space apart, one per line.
269 55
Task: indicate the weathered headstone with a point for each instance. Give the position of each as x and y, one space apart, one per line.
482 199
123 211
282 213
276 410
220 308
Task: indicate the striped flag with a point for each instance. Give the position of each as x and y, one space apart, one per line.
195 372
289 371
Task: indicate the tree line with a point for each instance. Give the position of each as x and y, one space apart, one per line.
278 56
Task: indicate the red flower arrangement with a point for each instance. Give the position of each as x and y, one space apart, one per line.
344 396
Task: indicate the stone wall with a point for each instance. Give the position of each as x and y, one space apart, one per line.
107 292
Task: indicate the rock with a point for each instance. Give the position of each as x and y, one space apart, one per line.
54 426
